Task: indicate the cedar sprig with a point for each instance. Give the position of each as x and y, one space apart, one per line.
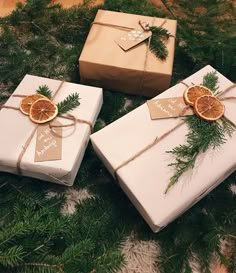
210 81
45 91
68 104
202 136
156 45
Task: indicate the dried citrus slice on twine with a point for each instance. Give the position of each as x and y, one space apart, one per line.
43 110
194 92
209 108
26 102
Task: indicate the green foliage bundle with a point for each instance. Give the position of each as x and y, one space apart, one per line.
202 136
43 39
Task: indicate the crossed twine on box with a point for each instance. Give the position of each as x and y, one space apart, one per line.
74 119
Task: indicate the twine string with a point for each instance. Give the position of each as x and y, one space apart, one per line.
112 25
73 123
150 145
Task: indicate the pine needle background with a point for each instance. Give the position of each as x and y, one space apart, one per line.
43 39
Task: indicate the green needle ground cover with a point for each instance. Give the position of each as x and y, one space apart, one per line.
45 40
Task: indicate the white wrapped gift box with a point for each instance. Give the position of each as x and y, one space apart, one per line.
16 128
145 178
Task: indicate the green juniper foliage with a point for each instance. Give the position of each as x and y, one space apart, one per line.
43 39
202 136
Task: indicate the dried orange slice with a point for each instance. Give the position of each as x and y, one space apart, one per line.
28 101
43 110
209 108
194 92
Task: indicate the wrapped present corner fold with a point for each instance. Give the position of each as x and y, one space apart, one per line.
135 71
145 178
19 134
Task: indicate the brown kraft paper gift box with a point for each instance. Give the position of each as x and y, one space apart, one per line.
136 71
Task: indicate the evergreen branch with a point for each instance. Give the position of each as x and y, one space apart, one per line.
17 230
11 256
181 166
158 48
68 104
45 91
210 81
202 136
42 267
77 250
26 196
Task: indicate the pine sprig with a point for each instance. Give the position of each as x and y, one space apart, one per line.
157 45
202 136
68 104
45 91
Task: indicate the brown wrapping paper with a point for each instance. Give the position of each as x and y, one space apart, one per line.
103 63
145 178
16 129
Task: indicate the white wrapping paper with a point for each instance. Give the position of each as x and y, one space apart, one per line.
16 128
145 179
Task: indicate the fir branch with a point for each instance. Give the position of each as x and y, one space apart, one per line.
157 46
45 91
11 256
68 104
41 267
15 231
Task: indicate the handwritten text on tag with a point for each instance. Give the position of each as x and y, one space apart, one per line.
168 108
132 38
48 143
